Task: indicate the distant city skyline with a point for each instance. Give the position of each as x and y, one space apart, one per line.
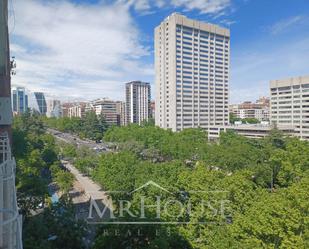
109 51
71 99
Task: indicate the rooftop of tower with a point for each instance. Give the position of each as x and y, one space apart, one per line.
183 20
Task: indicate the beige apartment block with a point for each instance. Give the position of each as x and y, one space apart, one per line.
192 61
258 110
109 109
290 104
77 110
121 110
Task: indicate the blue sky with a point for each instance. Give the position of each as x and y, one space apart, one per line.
86 49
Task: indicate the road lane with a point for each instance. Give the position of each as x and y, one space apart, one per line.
73 139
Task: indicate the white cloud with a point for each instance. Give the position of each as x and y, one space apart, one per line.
86 50
15 48
285 24
79 50
160 3
142 5
203 6
228 22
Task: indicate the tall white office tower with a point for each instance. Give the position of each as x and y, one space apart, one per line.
192 61
289 104
138 97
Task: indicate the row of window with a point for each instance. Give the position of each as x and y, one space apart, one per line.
186 35
202 85
190 31
196 42
306 86
188 56
295 107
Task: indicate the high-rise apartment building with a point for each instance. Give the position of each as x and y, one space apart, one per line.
192 62
41 102
20 100
290 104
138 97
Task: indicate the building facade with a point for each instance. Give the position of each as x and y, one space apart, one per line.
54 109
108 109
10 217
41 102
121 110
152 109
19 100
258 110
65 109
77 110
192 61
290 104
264 101
138 95
250 130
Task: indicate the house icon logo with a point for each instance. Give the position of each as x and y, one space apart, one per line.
149 183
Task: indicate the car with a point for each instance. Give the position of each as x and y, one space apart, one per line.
41 205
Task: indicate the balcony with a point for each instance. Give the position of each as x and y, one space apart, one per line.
10 219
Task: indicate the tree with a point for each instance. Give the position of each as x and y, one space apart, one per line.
55 228
233 118
64 180
38 166
250 120
152 237
264 183
276 220
89 126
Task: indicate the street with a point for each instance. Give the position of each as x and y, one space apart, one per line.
91 189
84 188
73 139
